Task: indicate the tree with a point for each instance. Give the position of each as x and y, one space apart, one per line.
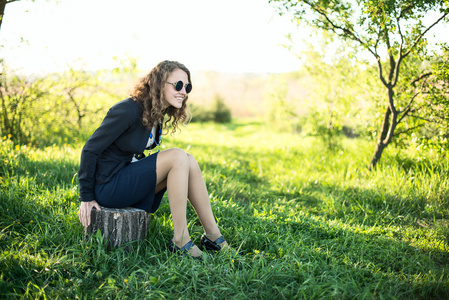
393 32
2 8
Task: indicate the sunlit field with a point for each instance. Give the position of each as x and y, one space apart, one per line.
312 223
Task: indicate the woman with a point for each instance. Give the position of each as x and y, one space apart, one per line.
114 172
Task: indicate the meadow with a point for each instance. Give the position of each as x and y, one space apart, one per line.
312 223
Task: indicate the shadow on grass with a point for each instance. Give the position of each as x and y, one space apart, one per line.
421 165
320 235
34 193
47 173
349 230
369 207
324 251
362 206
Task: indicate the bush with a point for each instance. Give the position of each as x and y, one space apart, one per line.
200 114
281 112
218 113
53 109
221 113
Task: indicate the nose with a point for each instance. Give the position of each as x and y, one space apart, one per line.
183 90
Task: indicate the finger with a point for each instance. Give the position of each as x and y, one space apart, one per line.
89 213
83 221
86 218
81 215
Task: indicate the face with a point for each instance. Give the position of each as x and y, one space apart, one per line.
172 97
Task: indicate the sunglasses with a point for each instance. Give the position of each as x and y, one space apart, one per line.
178 86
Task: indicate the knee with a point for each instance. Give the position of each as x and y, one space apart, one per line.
191 158
179 157
192 162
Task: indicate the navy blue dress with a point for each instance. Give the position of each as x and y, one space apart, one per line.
106 173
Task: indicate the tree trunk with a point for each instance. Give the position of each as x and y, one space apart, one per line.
380 146
119 226
2 10
389 125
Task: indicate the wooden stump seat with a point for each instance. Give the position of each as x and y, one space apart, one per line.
119 226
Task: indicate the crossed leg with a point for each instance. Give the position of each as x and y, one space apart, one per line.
181 174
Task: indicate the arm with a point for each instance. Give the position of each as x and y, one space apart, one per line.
114 124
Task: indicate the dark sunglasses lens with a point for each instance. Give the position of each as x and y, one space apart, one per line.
179 85
188 88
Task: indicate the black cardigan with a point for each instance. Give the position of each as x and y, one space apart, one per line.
112 146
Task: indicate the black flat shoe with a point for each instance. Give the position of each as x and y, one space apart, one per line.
182 251
218 245
210 245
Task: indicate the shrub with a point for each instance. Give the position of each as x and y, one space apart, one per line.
221 112
218 113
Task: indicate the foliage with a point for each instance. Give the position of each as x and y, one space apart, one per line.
314 223
342 96
219 112
54 108
393 32
281 112
200 113
23 104
436 105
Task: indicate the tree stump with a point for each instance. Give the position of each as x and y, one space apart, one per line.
119 226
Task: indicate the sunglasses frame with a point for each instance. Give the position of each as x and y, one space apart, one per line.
186 86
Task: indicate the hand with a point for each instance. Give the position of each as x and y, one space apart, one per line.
85 210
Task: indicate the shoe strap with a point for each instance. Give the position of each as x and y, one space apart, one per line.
187 246
184 249
220 240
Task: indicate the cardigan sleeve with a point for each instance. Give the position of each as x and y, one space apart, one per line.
117 121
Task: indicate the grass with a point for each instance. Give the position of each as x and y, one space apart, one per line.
313 224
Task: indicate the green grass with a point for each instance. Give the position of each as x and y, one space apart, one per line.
313 224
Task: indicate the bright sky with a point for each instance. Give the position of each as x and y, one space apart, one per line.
220 35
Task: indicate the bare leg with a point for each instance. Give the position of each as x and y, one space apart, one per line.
173 170
199 198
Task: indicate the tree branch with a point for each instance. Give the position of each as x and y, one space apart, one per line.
423 33
400 30
394 67
407 108
422 76
347 32
405 10
401 57
408 129
420 118
379 67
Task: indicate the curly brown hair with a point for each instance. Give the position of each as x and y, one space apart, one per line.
149 93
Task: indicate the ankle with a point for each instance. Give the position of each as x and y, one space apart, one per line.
182 241
213 236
